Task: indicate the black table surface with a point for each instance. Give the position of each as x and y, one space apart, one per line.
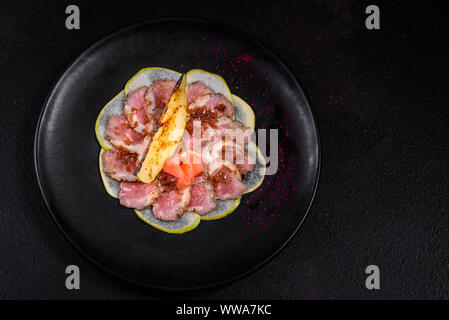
381 99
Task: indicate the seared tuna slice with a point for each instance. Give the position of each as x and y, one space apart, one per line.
233 130
171 204
197 89
247 164
214 103
135 111
157 95
138 195
202 196
156 98
120 165
236 154
228 184
121 135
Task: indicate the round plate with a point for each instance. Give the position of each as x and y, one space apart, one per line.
66 157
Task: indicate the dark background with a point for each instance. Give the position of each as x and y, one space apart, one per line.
381 99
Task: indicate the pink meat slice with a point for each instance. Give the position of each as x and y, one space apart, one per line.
233 130
158 95
236 154
202 196
247 164
228 184
214 103
170 204
138 195
135 111
156 98
197 89
121 135
120 165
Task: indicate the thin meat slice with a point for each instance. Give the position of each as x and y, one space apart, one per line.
143 148
202 196
246 163
119 164
228 184
236 154
135 111
197 89
213 103
162 90
171 204
157 97
121 135
138 195
233 130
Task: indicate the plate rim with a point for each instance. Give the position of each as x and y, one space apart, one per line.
103 40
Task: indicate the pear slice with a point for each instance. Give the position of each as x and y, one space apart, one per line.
244 113
146 76
112 108
187 222
112 187
223 208
254 178
167 137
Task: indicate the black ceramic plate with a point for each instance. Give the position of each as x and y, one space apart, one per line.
66 153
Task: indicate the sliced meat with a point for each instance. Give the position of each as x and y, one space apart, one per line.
186 143
166 182
233 130
197 89
143 148
171 204
162 90
157 96
214 103
119 164
121 135
138 195
228 184
135 112
246 163
189 143
236 154
202 196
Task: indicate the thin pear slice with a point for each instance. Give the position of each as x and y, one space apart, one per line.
112 108
244 113
254 178
212 80
223 208
187 222
146 76
167 137
112 187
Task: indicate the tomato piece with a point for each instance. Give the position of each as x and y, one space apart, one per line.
187 168
182 184
197 169
172 167
186 171
196 165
